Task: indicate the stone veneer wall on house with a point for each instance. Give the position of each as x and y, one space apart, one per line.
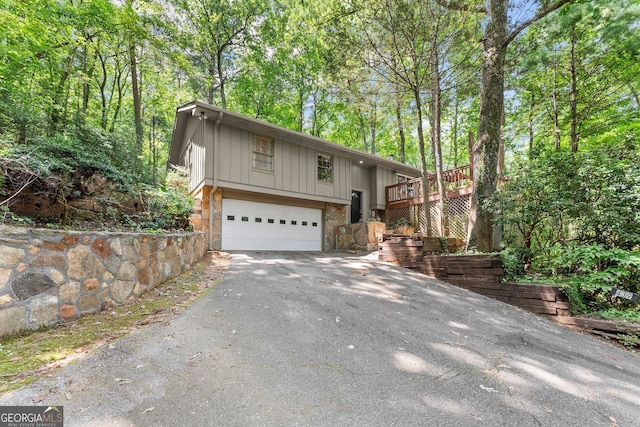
48 276
334 215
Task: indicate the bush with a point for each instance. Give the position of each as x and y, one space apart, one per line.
170 205
515 262
169 209
589 272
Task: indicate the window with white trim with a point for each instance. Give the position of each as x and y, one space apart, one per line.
263 153
325 167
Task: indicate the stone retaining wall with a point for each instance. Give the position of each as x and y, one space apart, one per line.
47 276
362 236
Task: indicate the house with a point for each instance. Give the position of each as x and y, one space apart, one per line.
259 186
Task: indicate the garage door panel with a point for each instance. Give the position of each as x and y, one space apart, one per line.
262 226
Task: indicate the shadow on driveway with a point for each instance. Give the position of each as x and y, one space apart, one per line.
324 339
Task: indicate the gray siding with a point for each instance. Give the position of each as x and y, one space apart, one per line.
360 178
195 156
294 167
380 178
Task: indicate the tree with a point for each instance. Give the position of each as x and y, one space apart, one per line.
214 33
486 149
585 60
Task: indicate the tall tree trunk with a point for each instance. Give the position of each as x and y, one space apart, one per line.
532 103
635 94
118 87
211 90
223 98
574 96
454 137
363 131
424 173
401 133
88 72
372 128
485 151
137 107
436 146
556 122
487 146
58 95
300 111
104 113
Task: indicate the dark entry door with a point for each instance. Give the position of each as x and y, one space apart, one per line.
356 206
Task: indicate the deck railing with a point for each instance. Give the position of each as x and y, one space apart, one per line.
410 192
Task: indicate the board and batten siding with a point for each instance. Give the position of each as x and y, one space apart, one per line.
295 167
196 153
381 177
360 178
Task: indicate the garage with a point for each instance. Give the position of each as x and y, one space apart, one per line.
250 225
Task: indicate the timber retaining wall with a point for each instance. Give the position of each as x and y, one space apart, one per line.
481 274
48 277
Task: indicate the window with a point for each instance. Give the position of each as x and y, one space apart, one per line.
263 153
325 168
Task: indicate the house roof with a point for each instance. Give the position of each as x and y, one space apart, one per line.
199 109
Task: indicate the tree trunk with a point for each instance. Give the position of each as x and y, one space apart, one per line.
87 71
223 98
104 114
137 107
424 174
454 138
436 146
211 90
57 109
401 133
372 128
574 96
635 94
532 104
556 123
363 131
486 148
485 152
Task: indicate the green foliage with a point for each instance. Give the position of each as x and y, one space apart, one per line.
169 208
400 223
592 196
574 218
61 161
515 262
613 313
591 271
10 217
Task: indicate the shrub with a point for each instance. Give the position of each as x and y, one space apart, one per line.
590 271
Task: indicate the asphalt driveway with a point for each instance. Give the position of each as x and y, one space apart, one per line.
331 340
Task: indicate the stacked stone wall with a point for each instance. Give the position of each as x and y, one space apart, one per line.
48 277
362 236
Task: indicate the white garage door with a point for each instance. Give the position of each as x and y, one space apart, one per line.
263 226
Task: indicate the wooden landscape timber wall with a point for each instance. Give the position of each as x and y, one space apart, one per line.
481 274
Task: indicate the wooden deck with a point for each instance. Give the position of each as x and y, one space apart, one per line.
409 193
